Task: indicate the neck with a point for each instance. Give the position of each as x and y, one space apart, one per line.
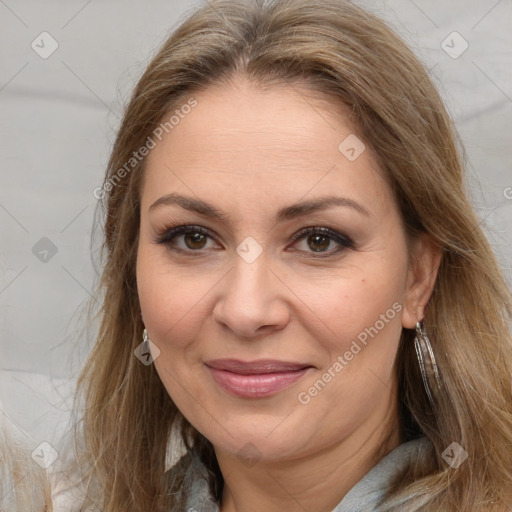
317 481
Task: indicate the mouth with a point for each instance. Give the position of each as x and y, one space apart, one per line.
256 379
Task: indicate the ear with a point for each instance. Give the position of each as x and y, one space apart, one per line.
424 261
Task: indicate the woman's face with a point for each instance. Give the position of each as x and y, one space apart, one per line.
295 254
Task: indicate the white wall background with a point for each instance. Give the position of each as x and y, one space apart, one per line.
58 117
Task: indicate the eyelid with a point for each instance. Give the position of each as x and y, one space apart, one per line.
335 235
167 234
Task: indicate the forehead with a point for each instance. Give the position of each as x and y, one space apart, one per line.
266 145
281 121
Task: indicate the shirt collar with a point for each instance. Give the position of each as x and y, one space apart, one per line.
363 497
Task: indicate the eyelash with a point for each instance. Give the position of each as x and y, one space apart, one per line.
168 234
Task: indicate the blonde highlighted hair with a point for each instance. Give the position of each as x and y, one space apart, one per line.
348 55
24 486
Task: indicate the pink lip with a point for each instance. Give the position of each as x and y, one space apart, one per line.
255 379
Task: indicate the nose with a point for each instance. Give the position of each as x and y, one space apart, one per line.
252 300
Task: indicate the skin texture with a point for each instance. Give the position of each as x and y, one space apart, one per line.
250 152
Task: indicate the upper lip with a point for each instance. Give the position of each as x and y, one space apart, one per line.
255 367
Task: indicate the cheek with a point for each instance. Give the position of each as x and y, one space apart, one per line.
369 296
171 299
359 338
361 314
171 306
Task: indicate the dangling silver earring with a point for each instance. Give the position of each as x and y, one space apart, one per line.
145 337
427 361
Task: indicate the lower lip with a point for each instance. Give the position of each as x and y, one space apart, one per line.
255 385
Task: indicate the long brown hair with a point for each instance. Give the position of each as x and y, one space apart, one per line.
352 57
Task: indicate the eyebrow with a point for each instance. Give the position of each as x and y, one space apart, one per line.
284 214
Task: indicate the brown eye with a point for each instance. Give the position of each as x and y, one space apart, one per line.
318 243
185 238
195 240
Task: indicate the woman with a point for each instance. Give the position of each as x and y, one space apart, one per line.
294 281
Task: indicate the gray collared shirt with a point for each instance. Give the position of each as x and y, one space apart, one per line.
365 496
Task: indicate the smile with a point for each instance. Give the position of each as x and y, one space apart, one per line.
255 380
